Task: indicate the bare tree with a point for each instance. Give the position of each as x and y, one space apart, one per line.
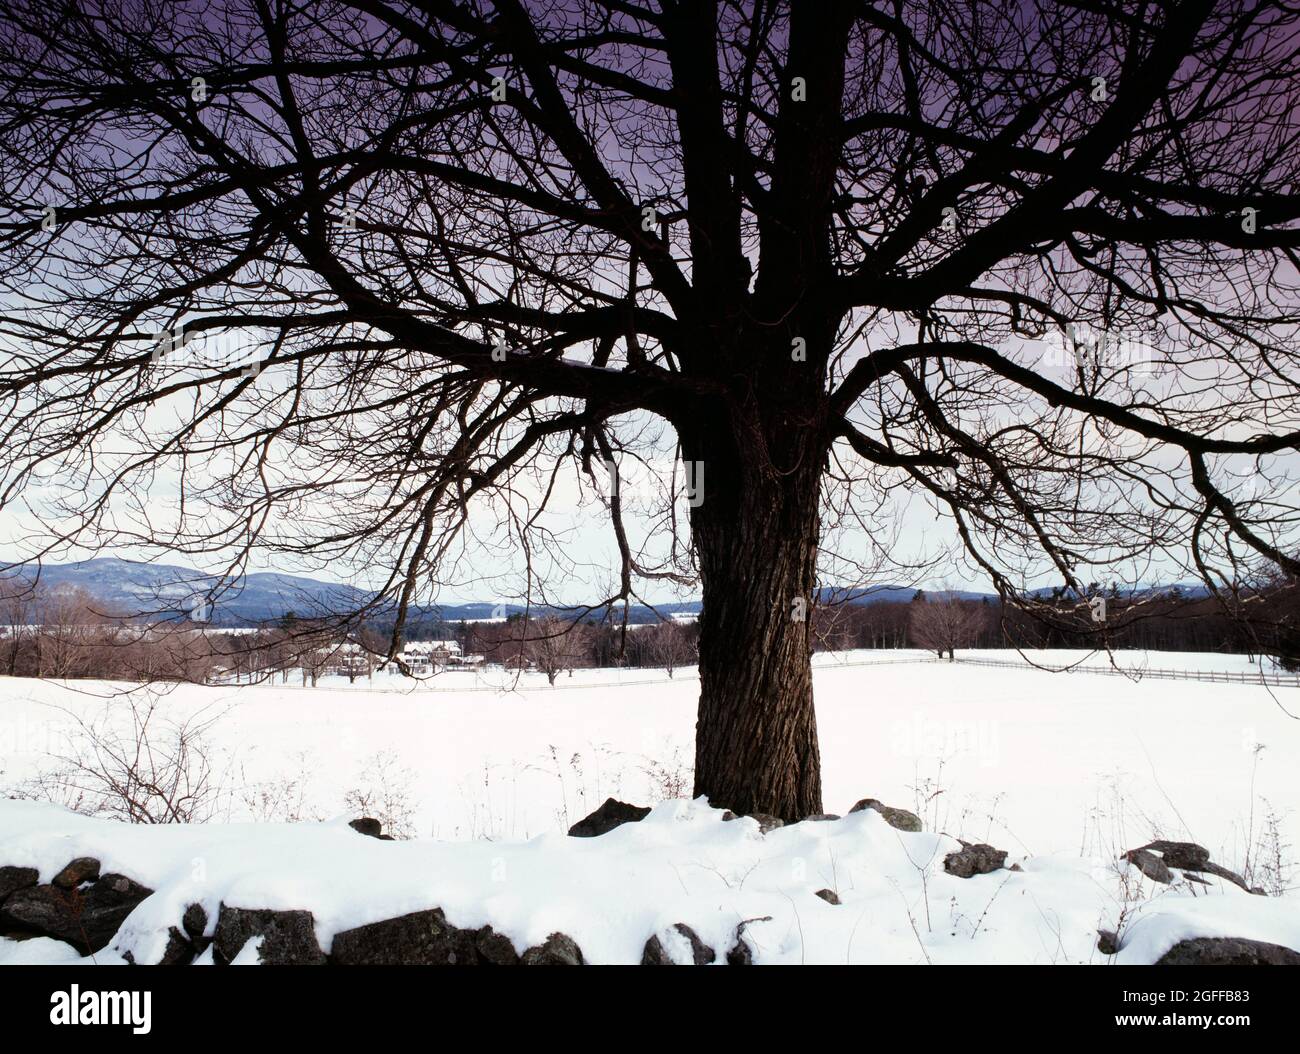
822 254
16 621
668 645
552 645
66 631
945 623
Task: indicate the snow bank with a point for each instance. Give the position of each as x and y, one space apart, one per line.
682 864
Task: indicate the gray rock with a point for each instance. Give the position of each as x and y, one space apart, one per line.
288 937
977 859
85 918
496 949
558 950
44 911
1224 873
613 813
422 938
1107 942
821 816
82 869
766 822
1228 951
182 947
1150 865
828 895
741 953
109 901
179 951
1186 856
368 826
13 879
655 954
899 818
195 921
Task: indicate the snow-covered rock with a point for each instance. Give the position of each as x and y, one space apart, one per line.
681 877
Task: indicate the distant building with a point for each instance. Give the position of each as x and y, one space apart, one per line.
425 657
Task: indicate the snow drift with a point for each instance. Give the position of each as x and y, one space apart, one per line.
685 881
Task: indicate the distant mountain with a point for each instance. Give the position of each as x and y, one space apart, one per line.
1186 590
899 594
134 588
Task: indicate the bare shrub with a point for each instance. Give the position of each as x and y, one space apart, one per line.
583 780
282 799
384 793
670 778
146 769
1269 864
931 797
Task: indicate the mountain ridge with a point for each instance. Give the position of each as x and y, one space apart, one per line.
137 588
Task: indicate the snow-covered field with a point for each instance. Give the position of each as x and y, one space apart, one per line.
1065 771
1045 762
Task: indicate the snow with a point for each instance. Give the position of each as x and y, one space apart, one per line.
1065 771
1044 762
682 863
45 951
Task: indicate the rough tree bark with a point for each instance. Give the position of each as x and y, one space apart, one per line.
756 536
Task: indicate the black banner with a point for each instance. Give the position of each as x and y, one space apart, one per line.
142 1004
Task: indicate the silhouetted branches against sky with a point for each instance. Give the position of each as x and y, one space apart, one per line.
484 247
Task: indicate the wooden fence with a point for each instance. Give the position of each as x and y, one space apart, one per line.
1264 677
1270 678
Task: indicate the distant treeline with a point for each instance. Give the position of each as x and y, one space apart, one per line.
1265 623
65 633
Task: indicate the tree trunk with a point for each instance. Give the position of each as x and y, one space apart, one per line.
756 535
